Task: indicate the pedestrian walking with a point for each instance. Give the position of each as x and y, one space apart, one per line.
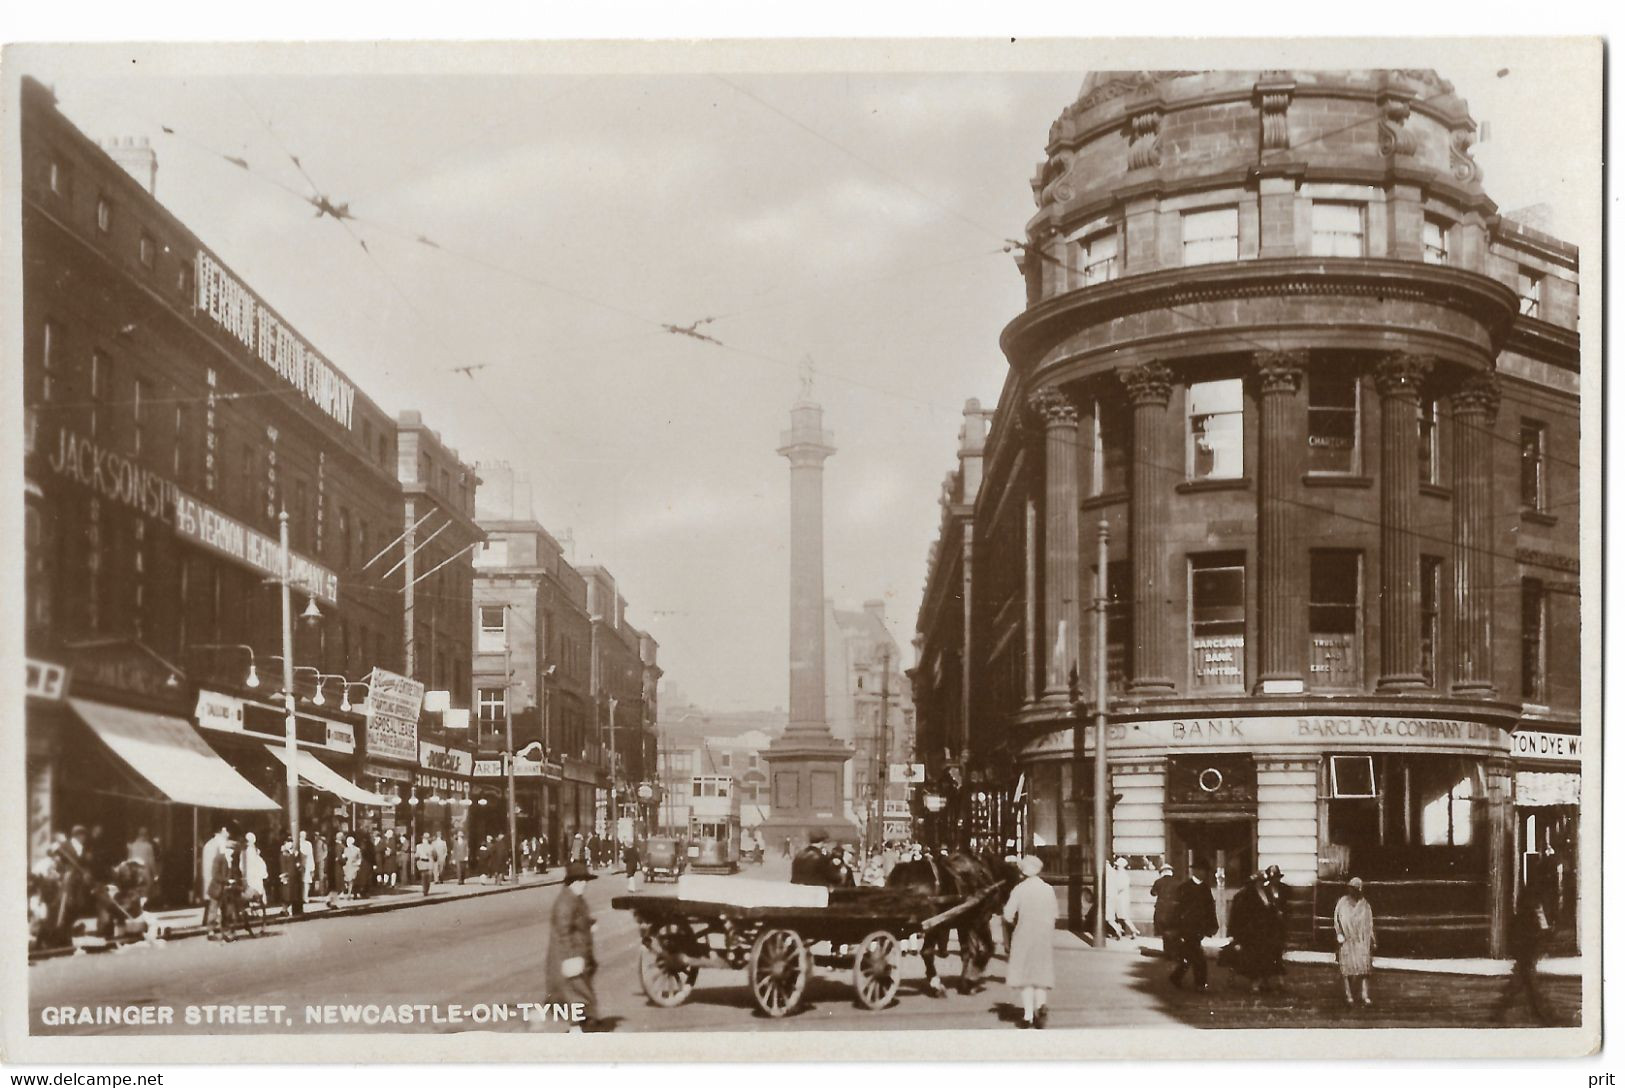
784 849
1530 936
631 856
369 861
1030 912
307 864
423 856
352 866
1119 897
1164 891
1258 927
335 859
544 856
206 866
1356 940
459 855
255 869
222 873
1195 917
570 962
500 855
437 851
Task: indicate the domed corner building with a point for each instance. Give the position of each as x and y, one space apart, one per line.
1324 400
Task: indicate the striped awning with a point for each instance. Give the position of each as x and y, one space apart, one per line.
168 753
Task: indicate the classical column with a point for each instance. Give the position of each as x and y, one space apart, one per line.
1283 620
807 445
1473 409
1149 386
1059 419
1399 378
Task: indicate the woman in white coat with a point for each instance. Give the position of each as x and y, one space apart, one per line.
254 871
1030 915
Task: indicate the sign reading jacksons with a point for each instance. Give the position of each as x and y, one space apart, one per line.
235 308
204 525
393 704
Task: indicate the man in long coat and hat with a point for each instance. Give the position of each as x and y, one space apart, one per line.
571 964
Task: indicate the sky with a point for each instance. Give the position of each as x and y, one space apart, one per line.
856 219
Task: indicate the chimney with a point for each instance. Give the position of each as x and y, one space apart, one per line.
136 155
972 441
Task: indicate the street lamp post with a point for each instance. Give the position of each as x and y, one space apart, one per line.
290 734
507 718
1102 780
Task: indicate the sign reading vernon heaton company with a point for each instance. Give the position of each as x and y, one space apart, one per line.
203 524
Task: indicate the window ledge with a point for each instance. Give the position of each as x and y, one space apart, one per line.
1326 479
1537 517
1438 491
1111 498
1228 483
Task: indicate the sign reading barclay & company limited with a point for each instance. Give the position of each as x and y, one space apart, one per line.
1288 731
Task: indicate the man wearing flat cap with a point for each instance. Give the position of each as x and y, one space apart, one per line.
570 960
812 864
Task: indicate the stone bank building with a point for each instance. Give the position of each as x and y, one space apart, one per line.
1322 398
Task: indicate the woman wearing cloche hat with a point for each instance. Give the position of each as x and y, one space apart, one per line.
1031 911
570 960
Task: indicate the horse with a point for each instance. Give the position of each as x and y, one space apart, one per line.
960 875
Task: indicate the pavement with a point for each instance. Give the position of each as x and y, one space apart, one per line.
172 925
486 950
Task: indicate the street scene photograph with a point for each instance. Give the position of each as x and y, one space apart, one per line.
536 540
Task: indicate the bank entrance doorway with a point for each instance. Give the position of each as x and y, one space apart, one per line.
1227 846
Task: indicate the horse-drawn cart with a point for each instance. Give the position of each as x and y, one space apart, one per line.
780 934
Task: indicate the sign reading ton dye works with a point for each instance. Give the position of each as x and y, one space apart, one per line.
202 524
236 309
393 704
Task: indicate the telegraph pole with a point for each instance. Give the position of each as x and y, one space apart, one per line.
290 732
507 719
882 750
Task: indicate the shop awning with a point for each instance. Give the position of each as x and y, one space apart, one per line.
323 777
168 753
1539 789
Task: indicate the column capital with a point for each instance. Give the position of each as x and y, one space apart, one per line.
1053 407
1480 392
1279 371
1401 373
1148 383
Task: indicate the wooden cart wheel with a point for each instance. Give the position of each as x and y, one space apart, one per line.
663 967
877 969
780 965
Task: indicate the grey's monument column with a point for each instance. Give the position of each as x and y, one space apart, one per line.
806 764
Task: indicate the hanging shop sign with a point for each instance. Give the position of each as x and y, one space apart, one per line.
229 714
1536 744
522 768
45 680
393 704
1313 731
238 311
435 782
207 527
436 757
386 771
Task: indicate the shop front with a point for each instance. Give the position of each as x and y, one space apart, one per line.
443 787
536 799
1546 770
1420 808
111 748
251 735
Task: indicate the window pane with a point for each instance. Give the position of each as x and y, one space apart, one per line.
1210 235
1218 624
1334 422
1215 429
1339 229
1334 619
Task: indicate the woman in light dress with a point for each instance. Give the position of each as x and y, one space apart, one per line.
352 866
1356 940
1030 914
254 870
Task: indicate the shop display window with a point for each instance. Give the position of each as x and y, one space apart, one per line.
1403 816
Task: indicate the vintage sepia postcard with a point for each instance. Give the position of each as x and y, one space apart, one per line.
585 551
